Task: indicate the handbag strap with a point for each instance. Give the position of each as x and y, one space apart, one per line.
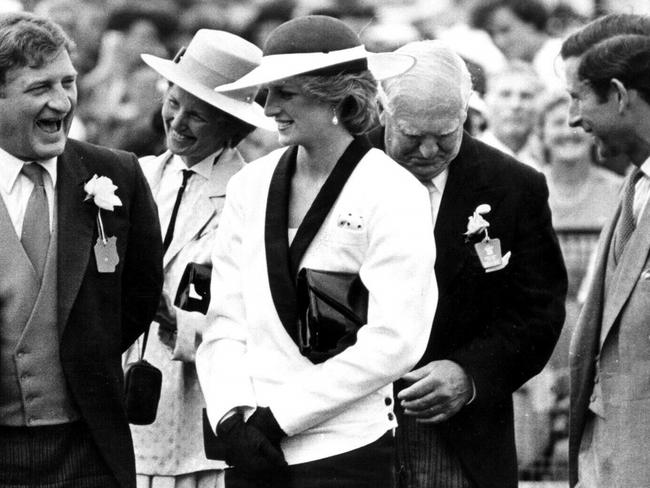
144 342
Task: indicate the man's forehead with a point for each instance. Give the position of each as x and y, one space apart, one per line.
58 64
438 123
571 66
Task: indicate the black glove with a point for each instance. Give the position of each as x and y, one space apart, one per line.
247 448
264 421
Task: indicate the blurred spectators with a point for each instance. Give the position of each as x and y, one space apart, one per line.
511 100
519 29
119 97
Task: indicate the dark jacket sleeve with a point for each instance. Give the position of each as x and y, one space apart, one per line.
142 278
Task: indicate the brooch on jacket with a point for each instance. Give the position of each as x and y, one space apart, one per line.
488 250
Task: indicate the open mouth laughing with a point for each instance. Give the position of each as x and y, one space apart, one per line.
50 125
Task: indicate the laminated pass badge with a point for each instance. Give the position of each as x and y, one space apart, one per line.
488 250
101 191
105 249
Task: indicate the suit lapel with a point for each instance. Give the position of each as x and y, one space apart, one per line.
277 244
627 273
465 189
75 222
205 209
282 260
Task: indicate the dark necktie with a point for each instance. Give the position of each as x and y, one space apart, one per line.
172 221
35 235
626 221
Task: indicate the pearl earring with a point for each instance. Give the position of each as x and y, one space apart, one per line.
335 119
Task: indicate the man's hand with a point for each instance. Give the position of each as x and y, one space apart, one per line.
247 448
438 391
166 318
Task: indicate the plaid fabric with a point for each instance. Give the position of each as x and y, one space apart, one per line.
53 456
424 460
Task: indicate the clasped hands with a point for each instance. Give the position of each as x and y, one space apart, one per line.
437 391
253 445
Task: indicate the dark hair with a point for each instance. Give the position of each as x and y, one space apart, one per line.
529 11
123 17
237 127
602 28
29 40
624 57
353 96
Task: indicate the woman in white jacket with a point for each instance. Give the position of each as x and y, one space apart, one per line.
327 202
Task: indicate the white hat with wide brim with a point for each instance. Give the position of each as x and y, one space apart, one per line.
212 59
276 67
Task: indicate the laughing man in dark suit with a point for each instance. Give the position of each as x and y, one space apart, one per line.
80 274
494 327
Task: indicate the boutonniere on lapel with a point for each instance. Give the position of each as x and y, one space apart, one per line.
488 250
101 190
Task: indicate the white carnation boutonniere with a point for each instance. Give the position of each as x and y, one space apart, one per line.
101 190
476 223
488 250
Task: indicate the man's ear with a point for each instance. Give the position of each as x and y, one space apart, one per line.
621 93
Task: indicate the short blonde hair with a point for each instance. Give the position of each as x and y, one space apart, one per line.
353 96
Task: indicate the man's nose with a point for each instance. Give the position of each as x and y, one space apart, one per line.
428 147
60 100
574 115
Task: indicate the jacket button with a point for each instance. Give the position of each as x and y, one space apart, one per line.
391 416
388 401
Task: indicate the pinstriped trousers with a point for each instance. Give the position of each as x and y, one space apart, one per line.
52 456
424 459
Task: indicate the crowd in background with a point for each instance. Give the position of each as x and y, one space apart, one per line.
519 106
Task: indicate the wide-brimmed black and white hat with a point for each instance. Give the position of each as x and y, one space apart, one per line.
317 45
212 59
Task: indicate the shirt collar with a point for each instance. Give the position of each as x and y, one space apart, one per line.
440 180
645 167
10 167
203 167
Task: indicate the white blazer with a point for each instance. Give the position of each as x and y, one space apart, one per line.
247 358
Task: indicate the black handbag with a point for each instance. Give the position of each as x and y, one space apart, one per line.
193 292
142 383
332 307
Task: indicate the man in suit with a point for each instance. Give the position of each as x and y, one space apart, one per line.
80 274
494 327
609 84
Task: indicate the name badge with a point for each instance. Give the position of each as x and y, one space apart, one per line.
106 254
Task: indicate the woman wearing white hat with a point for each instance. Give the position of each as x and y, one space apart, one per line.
188 182
284 415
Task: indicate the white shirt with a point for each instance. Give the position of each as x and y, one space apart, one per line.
642 191
170 182
436 188
15 187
